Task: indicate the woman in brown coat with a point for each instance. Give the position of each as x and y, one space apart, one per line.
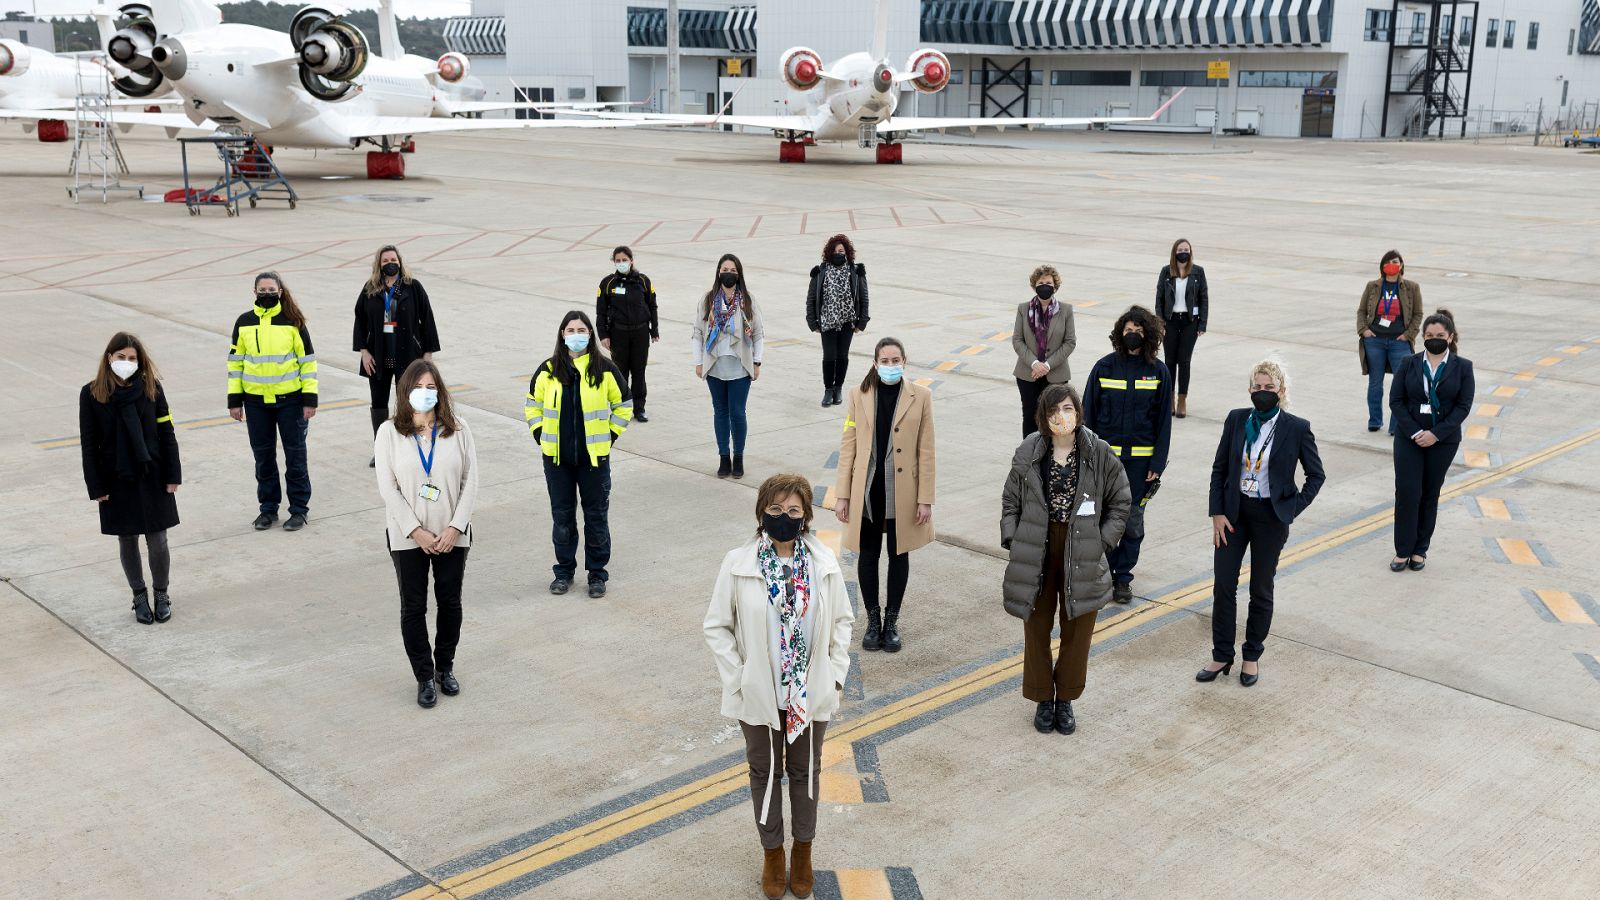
1043 338
1388 319
1065 505
890 425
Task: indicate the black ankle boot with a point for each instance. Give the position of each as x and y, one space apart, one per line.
725 468
163 606
738 465
827 396
141 608
873 639
891 634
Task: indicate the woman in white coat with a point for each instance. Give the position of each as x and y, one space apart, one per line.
779 627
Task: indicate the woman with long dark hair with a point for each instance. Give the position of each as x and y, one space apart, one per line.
428 479
131 467
393 326
576 410
272 386
836 308
1183 303
728 345
1430 399
885 485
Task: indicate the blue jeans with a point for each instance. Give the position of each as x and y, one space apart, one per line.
267 422
727 410
1125 555
566 482
1381 351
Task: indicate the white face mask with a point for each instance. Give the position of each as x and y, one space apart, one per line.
124 368
624 267
424 399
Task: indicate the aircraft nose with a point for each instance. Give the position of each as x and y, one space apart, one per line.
170 58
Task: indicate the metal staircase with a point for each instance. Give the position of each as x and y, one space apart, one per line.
97 161
1430 71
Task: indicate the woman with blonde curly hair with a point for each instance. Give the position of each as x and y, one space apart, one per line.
1043 338
1254 500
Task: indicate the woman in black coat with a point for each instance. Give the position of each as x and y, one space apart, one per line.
1430 398
1183 303
394 326
836 308
130 465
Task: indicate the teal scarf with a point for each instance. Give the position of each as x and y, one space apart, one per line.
1254 424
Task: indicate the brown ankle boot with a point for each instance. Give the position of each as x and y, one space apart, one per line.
772 874
1183 406
800 875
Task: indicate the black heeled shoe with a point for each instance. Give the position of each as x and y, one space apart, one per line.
1417 565
1247 679
1397 565
1211 675
1044 719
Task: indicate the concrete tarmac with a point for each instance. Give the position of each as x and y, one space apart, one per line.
1430 734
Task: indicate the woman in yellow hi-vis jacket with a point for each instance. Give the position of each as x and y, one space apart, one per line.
575 430
272 387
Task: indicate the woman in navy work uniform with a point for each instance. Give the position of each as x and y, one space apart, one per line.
625 318
393 326
1430 398
1127 402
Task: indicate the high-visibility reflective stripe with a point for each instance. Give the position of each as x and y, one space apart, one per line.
269 359
1113 384
603 438
1115 449
626 404
1144 451
619 421
270 379
235 357
593 415
165 418
311 360
548 438
1147 384
849 424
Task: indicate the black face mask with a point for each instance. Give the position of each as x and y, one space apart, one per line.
1045 290
1436 346
839 259
1132 341
1264 401
781 528
391 269
1183 257
728 279
267 301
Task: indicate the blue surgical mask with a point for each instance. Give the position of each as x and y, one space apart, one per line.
624 267
891 374
577 343
424 399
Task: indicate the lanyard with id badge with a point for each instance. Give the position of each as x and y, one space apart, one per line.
428 491
1387 308
391 309
1250 478
1430 380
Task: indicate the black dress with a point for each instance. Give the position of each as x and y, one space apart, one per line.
113 461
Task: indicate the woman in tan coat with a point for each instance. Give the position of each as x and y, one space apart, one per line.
1043 337
889 426
1387 321
779 627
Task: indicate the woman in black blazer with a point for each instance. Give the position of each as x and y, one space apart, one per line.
1183 302
1254 500
130 466
1430 398
394 326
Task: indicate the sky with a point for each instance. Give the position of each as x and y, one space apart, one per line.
405 8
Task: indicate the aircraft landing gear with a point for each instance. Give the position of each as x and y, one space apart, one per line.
889 154
791 152
408 147
52 131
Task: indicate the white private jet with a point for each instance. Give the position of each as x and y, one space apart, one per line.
40 81
857 100
319 86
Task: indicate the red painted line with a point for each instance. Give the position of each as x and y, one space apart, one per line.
115 268
753 226
455 245
984 217
649 231
321 249
599 228
175 273
523 241
59 262
852 214
701 231
900 224
803 217
937 216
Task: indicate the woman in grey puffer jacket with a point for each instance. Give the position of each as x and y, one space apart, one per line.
1065 504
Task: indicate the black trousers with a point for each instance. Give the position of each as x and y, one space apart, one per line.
873 532
836 356
1177 347
1418 475
1030 391
630 350
381 383
566 483
1259 530
449 570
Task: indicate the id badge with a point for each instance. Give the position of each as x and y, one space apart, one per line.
1386 322
388 327
429 493
1425 409
1087 509
1250 486
620 290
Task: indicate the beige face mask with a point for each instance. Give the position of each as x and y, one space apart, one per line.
1062 424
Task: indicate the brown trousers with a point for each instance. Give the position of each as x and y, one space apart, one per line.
1064 679
770 756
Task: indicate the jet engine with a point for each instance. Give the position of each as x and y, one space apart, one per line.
802 68
130 48
932 69
453 67
333 53
14 58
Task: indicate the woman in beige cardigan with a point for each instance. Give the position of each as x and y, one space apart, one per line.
779 627
428 478
889 430
1043 338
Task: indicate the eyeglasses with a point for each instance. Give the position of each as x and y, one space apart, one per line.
791 513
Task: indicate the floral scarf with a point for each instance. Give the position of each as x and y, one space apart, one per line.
722 310
1039 317
792 597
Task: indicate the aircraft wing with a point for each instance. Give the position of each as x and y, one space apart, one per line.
797 124
169 121
394 126
941 124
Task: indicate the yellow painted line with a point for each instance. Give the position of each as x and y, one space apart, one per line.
1564 607
624 822
831 538
1494 508
1489 410
840 787
946 366
974 350
923 382
1477 432
999 336
1525 376
1575 349
834 754
1476 459
1518 551
863 884
1548 361
1085 304
1505 391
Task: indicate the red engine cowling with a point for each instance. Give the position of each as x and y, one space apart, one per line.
453 67
932 69
802 68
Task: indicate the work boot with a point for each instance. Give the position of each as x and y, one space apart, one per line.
1183 406
141 608
725 468
1122 592
163 606
1066 722
873 639
773 876
891 635
801 877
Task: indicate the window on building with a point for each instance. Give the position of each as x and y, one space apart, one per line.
1533 35
1466 31
1564 86
1091 78
1377 24
1494 33
1444 28
957 76
1511 34
1572 40
22 37
1419 27
1289 79
1173 78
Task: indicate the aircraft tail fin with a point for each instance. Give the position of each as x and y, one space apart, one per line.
179 16
388 32
880 32
105 23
